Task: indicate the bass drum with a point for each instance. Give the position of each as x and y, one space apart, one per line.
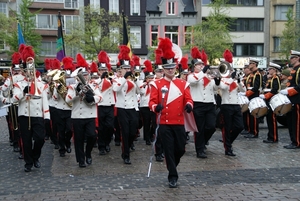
282 120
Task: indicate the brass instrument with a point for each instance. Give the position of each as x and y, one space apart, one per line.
223 70
239 74
60 78
111 74
50 76
13 107
84 87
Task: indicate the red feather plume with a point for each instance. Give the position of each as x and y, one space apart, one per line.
102 57
108 66
204 57
47 64
27 52
165 45
55 64
124 52
68 63
16 57
195 53
148 65
227 55
81 62
184 63
21 48
37 73
136 60
158 55
93 67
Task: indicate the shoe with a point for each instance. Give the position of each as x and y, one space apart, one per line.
244 132
173 183
82 165
47 138
11 143
159 158
62 154
229 153
36 164
269 141
127 161
117 144
21 156
107 148
290 146
132 147
56 146
251 136
102 152
69 150
88 161
201 155
163 155
148 142
16 149
220 140
27 169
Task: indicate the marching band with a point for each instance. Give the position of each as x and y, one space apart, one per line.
89 103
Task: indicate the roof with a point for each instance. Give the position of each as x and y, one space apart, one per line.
152 5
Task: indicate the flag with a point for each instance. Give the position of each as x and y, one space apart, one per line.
60 49
125 35
20 35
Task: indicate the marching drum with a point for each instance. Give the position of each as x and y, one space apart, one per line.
258 107
280 104
244 101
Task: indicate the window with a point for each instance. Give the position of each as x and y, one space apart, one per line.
68 22
134 7
248 25
171 8
114 6
46 21
172 33
276 41
3 8
71 3
280 12
59 1
95 4
154 35
48 48
249 2
114 35
248 49
136 40
187 35
206 2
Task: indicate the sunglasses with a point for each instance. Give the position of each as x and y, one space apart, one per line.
293 57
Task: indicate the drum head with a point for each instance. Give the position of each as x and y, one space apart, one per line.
259 112
283 109
244 108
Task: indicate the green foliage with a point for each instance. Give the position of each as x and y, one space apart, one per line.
97 30
213 34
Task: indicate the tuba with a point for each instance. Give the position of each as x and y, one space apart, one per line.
223 70
62 90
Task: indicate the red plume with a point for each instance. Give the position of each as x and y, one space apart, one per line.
102 57
148 65
37 73
81 62
93 67
136 60
27 52
227 55
195 53
124 52
184 63
158 55
47 64
21 48
165 45
16 57
68 63
56 64
204 57
108 66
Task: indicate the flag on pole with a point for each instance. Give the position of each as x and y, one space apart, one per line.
60 49
20 35
125 35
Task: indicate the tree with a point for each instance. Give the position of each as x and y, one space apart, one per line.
27 22
98 30
213 34
290 36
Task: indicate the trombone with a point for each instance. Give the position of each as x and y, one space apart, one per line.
13 107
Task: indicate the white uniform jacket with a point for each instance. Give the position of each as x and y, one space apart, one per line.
230 88
106 89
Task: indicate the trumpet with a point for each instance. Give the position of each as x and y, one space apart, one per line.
223 70
59 78
136 75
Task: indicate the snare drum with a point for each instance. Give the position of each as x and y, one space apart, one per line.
244 101
280 104
258 107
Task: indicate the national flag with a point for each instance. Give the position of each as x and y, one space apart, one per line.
60 48
20 35
125 34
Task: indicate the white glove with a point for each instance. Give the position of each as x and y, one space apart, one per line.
284 92
242 93
262 96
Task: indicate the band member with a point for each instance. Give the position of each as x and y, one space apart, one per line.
84 112
33 109
170 98
126 103
293 93
106 107
253 84
202 90
272 87
284 77
63 109
246 114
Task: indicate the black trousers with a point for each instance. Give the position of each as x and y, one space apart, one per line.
53 117
173 140
233 124
246 120
84 128
293 119
272 125
205 118
148 118
117 132
128 121
13 125
64 127
35 134
105 125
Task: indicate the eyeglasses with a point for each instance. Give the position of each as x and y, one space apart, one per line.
293 57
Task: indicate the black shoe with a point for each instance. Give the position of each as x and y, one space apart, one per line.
11 143
127 161
88 161
27 169
82 165
201 155
117 144
16 149
148 142
173 183
36 164
159 158
244 132
62 154
229 153
107 148
269 141
163 155
132 147
21 156
56 146
69 150
290 146
102 152
251 136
